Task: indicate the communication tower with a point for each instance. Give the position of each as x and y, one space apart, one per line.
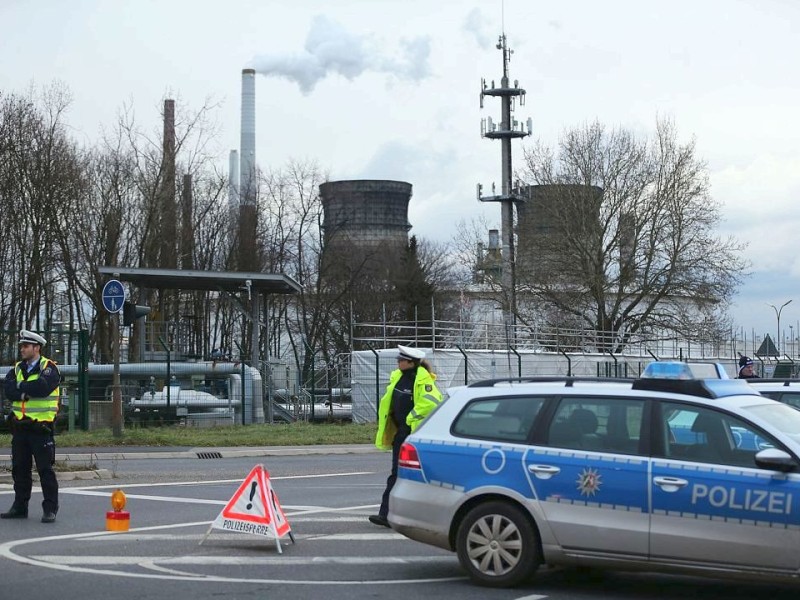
508 129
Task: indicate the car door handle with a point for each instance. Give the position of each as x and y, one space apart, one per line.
670 484
544 471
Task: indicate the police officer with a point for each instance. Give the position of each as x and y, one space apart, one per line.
410 396
746 369
33 387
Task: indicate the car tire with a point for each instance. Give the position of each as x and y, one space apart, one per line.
497 545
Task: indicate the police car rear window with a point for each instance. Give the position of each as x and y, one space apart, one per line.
500 419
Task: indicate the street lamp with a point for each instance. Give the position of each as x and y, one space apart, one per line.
778 315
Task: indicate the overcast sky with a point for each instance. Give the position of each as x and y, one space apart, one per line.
388 89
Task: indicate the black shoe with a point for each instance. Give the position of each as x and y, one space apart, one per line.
379 520
49 517
15 512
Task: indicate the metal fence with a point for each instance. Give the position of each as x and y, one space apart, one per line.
370 369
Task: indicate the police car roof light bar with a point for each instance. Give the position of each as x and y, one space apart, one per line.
567 381
702 388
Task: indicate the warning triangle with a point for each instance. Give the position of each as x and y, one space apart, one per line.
279 521
254 508
767 347
249 502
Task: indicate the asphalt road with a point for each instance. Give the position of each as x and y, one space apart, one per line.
337 553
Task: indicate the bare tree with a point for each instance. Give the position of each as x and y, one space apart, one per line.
41 176
620 237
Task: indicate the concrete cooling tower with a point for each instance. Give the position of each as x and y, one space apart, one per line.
368 214
547 209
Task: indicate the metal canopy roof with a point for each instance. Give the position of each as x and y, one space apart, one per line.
228 281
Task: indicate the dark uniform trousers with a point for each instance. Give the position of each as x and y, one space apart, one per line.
33 442
400 437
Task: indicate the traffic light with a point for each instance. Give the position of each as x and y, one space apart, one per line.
131 312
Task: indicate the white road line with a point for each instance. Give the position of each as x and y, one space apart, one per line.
283 560
531 597
7 551
176 499
298 510
213 482
155 537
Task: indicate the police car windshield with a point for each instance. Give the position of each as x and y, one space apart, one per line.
782 417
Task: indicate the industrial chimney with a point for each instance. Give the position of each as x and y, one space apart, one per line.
248 258
248 137
233 183
168 209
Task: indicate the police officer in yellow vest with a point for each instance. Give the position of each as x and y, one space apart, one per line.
410 396
33 387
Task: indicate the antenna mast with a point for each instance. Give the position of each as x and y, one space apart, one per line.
508 129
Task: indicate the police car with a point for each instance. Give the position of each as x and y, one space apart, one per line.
515 474
782 390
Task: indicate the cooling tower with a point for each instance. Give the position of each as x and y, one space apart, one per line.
541 219
366 213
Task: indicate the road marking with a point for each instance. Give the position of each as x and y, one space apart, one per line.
214 481
143 497
339 537
105 560
531 597
60 563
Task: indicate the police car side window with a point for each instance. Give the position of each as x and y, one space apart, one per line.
787 398
703 435
597 424
501 419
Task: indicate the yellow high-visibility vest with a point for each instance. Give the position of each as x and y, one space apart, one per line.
38 409
426 397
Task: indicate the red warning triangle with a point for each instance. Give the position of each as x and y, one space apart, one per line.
279 521
249 502
254 508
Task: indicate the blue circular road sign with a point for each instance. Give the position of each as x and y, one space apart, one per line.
113 296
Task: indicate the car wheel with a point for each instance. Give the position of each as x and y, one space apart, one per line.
497 545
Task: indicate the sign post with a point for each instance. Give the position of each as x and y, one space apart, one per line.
113 302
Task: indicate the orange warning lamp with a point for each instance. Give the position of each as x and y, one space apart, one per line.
118 519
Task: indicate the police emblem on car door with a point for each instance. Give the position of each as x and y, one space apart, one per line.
590 473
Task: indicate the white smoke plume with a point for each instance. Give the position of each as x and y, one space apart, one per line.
330 48
478 26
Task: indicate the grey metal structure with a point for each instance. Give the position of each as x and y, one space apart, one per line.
255 285
508 129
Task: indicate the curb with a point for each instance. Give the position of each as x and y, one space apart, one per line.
206 453
5 478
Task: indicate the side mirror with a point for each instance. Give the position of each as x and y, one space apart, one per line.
776 460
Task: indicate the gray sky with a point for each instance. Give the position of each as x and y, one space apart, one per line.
388 89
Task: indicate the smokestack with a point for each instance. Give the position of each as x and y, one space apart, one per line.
248 139
187 231
248 216
168 213
233 182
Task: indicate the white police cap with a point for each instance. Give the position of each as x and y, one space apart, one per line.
28 337
410 353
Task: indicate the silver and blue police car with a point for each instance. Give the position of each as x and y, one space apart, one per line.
782 390
663 473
